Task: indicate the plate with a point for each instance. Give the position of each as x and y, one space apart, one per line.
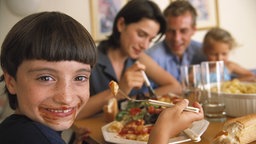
198 127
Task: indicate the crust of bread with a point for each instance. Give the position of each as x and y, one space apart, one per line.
238 130
110 110
113 87
246 128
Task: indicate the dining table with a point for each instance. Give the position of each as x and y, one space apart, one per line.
95 123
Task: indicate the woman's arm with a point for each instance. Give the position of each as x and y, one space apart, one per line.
95 104
132 78
167 83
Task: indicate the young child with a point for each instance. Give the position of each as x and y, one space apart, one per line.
216 45
47 59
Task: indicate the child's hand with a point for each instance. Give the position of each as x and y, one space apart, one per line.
81 134
173 120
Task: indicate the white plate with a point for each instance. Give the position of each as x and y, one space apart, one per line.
198 127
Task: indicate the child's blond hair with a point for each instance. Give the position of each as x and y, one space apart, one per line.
218 35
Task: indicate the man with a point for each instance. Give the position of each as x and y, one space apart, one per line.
177 48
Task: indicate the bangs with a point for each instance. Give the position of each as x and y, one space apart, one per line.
57 42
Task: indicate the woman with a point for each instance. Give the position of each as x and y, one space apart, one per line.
121 57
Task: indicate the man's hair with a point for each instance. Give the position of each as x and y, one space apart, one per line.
180 7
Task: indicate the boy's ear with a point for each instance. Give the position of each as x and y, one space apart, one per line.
10 83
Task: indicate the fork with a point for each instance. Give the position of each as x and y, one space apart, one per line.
159 103
191 134
150 89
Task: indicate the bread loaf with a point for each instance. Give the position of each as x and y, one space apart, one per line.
241 130
110 110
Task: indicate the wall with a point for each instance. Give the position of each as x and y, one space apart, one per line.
234 15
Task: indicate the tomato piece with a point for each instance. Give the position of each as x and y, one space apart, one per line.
151 109
134 111
158 110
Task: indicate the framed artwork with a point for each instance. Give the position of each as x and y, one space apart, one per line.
207 11
103 13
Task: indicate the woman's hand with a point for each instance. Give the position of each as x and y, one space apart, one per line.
132 78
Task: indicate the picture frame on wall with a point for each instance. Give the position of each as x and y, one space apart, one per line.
103 13
207 13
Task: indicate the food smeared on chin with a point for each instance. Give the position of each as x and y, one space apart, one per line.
137 119
113 87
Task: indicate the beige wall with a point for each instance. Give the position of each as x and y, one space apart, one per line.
234 15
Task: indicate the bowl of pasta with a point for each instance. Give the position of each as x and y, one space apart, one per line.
239 98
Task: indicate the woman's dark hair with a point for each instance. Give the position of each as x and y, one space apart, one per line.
50 36
132 12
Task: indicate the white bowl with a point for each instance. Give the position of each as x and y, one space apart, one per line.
240 104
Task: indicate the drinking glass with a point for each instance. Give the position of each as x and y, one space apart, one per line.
191 82
212 78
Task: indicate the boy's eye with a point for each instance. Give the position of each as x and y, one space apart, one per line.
81 78
45 78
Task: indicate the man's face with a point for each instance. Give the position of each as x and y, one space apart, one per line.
179 33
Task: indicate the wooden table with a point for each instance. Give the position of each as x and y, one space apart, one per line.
95 123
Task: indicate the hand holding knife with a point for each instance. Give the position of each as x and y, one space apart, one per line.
152 93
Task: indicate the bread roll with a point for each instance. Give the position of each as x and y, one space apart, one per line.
110 110
113 87
241 130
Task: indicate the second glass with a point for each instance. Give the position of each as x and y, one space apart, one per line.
212 78
191 82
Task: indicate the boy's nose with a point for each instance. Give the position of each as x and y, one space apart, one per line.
64 94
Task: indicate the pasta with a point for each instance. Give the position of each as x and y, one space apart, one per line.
237 87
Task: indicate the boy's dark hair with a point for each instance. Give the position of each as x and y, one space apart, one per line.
50 36
132 12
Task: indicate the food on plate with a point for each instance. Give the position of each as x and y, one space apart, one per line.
239 130
115 127
237 87
137 119
110 110
136 130
113 87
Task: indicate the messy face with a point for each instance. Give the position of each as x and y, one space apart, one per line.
180 29
51 93
136 37
217 51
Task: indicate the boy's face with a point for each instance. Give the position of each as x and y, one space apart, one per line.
51 93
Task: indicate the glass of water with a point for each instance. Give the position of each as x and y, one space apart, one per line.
212 78
191 83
